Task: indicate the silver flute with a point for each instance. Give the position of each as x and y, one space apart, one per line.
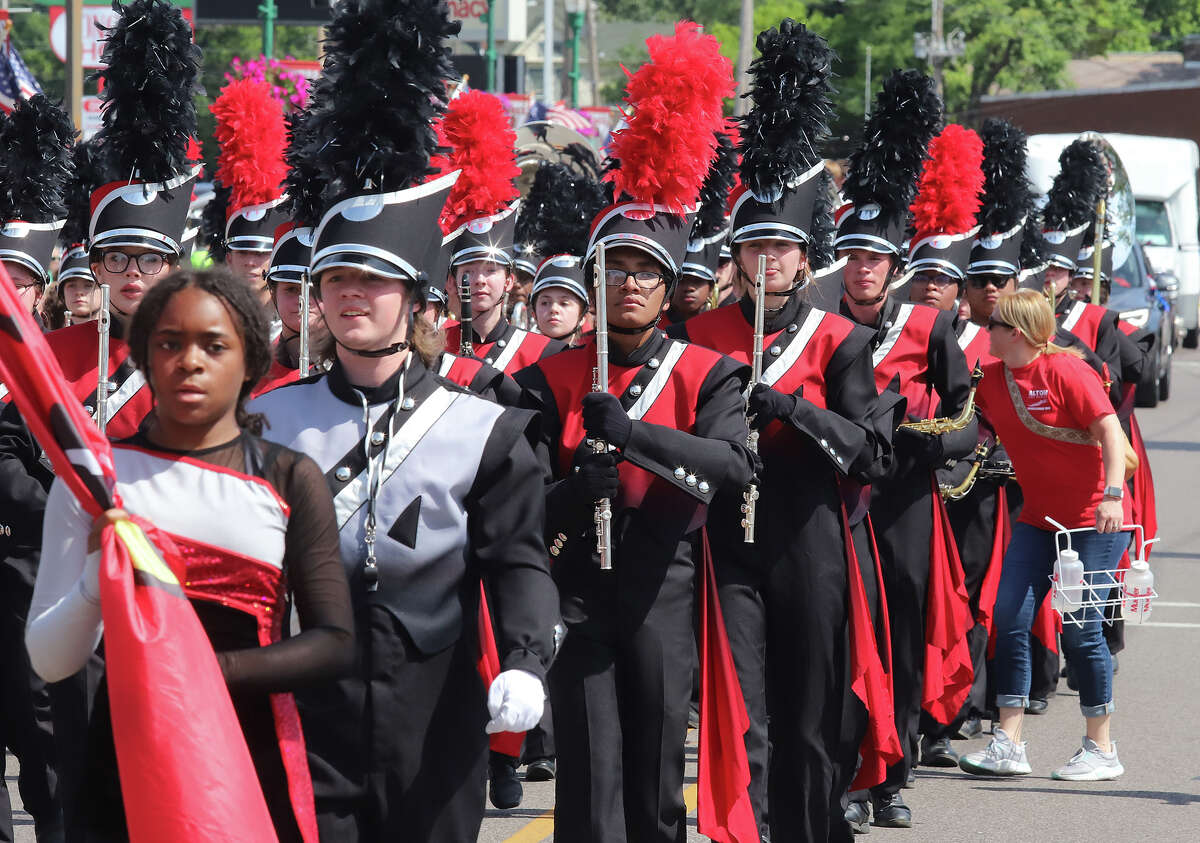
103 328
750 493
603 513
465 346
304 312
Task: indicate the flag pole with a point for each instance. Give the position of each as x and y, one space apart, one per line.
74 80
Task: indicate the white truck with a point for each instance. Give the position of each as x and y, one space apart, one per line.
1162 172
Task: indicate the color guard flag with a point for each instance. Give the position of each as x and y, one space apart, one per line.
186 775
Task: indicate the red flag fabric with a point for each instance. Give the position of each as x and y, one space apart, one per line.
948 668
1001 532
1145 511
186 775
488 665
870 679
723 810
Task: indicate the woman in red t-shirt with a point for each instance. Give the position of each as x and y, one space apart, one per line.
1052 412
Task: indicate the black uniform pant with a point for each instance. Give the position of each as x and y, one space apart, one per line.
399 752
621 688
903 519
539 741
71 703
25 729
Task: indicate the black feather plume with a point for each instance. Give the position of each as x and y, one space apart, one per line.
820 248
557 214
714 193
382 85
91 170
149 77
35 161
305 178
783 132
212 222
581 158
1079 186
884 168
1034 248
1007 195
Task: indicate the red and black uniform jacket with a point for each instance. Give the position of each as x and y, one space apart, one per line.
836 442
507 347
473 374
917 355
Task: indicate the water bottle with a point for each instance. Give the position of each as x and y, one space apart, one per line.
1068 571
1135 593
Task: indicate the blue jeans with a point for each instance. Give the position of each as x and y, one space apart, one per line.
1024 582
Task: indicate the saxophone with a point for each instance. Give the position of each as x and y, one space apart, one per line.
937 427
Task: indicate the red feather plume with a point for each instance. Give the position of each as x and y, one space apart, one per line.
677 102
483 146
948 192
253 137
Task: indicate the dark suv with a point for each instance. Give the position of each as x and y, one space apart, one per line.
1136 296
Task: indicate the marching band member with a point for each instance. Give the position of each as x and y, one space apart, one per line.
483 213
560 302
795 599
248 205
285 279
674 425
257 531
434 488
35 141
916 354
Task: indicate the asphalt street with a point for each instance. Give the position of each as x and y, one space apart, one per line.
1156 692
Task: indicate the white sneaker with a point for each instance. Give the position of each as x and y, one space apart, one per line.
1090 765
1001 757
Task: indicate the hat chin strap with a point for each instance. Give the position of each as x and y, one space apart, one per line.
634 331
386 351
868 302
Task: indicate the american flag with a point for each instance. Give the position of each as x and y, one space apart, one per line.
561 115
16 82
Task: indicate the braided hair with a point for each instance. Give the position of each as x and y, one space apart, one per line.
244 310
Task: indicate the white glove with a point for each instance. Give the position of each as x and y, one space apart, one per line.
89 580
515 701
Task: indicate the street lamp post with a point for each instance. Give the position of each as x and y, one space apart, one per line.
268 11
575 12
490 53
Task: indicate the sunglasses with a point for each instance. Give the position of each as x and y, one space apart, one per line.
993 322
982 282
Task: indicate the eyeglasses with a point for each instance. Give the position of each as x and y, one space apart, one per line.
982 282
148 263
937 279
993 322
645 280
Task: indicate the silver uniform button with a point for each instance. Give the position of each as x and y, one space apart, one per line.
680 473
704 487
89 409
653 363
635 390
793 328
487 360
690 480
377 438
501 343
824 443
407 404
342 474
776 351
840 460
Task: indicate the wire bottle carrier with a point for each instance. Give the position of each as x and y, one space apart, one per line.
1075 591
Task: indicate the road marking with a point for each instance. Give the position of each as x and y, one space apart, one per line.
1169 624
542 827
1169 605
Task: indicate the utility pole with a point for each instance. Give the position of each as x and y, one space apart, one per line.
867 86
489 18
74 90
745 49
936 47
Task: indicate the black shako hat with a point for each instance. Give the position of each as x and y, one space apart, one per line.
564 271
385 233
1007 201
291 254
490 238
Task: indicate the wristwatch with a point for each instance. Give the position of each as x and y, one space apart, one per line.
1116 492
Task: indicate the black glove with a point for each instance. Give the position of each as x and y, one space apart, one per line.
594 476
766 405
923 449
604 418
